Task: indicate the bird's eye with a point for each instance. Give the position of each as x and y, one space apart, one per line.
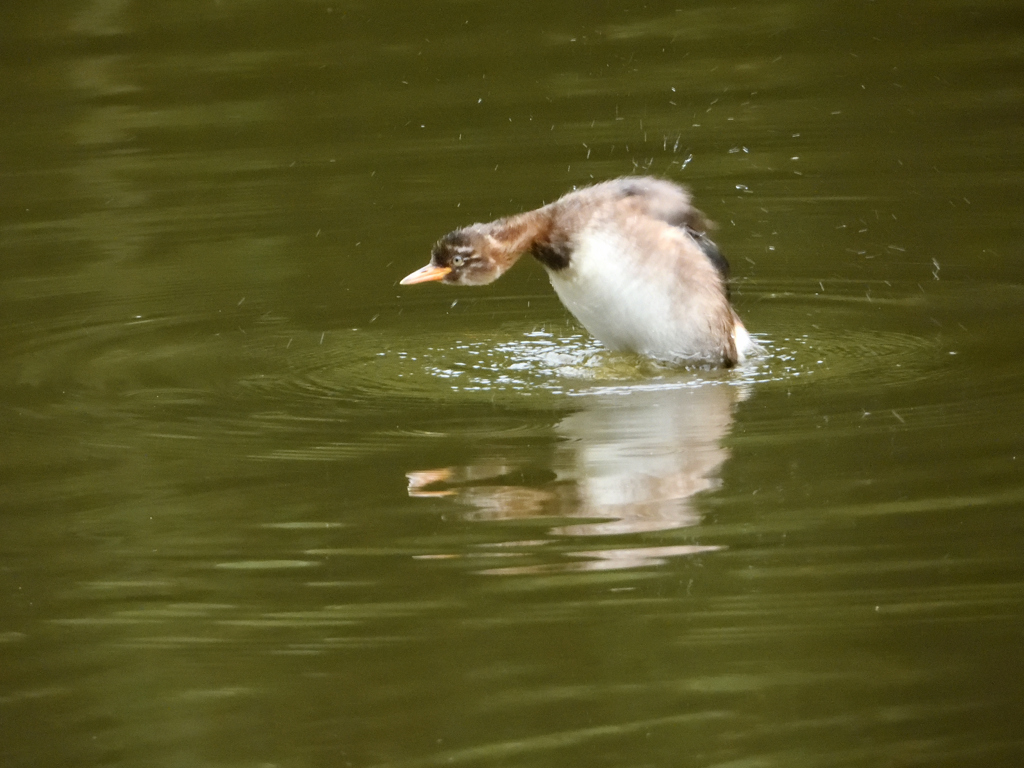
458 261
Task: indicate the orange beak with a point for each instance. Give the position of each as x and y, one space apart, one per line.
425 274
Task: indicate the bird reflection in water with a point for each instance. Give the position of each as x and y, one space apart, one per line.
629 462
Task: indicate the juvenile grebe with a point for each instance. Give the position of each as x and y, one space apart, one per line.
630 258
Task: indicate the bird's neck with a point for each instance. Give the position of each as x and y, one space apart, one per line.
531 232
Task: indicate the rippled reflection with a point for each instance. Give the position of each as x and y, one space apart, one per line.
627 462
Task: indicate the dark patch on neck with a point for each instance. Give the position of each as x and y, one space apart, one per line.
554 255
552 246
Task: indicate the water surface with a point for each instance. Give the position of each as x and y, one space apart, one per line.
262 506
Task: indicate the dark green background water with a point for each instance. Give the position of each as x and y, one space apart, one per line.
261 506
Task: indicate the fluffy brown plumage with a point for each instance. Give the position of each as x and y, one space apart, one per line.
630 258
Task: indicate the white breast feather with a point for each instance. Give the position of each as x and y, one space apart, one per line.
629 304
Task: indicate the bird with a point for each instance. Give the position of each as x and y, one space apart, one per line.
630 258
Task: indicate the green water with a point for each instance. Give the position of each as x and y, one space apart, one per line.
260 506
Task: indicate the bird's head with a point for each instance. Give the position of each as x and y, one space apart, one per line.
463 257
